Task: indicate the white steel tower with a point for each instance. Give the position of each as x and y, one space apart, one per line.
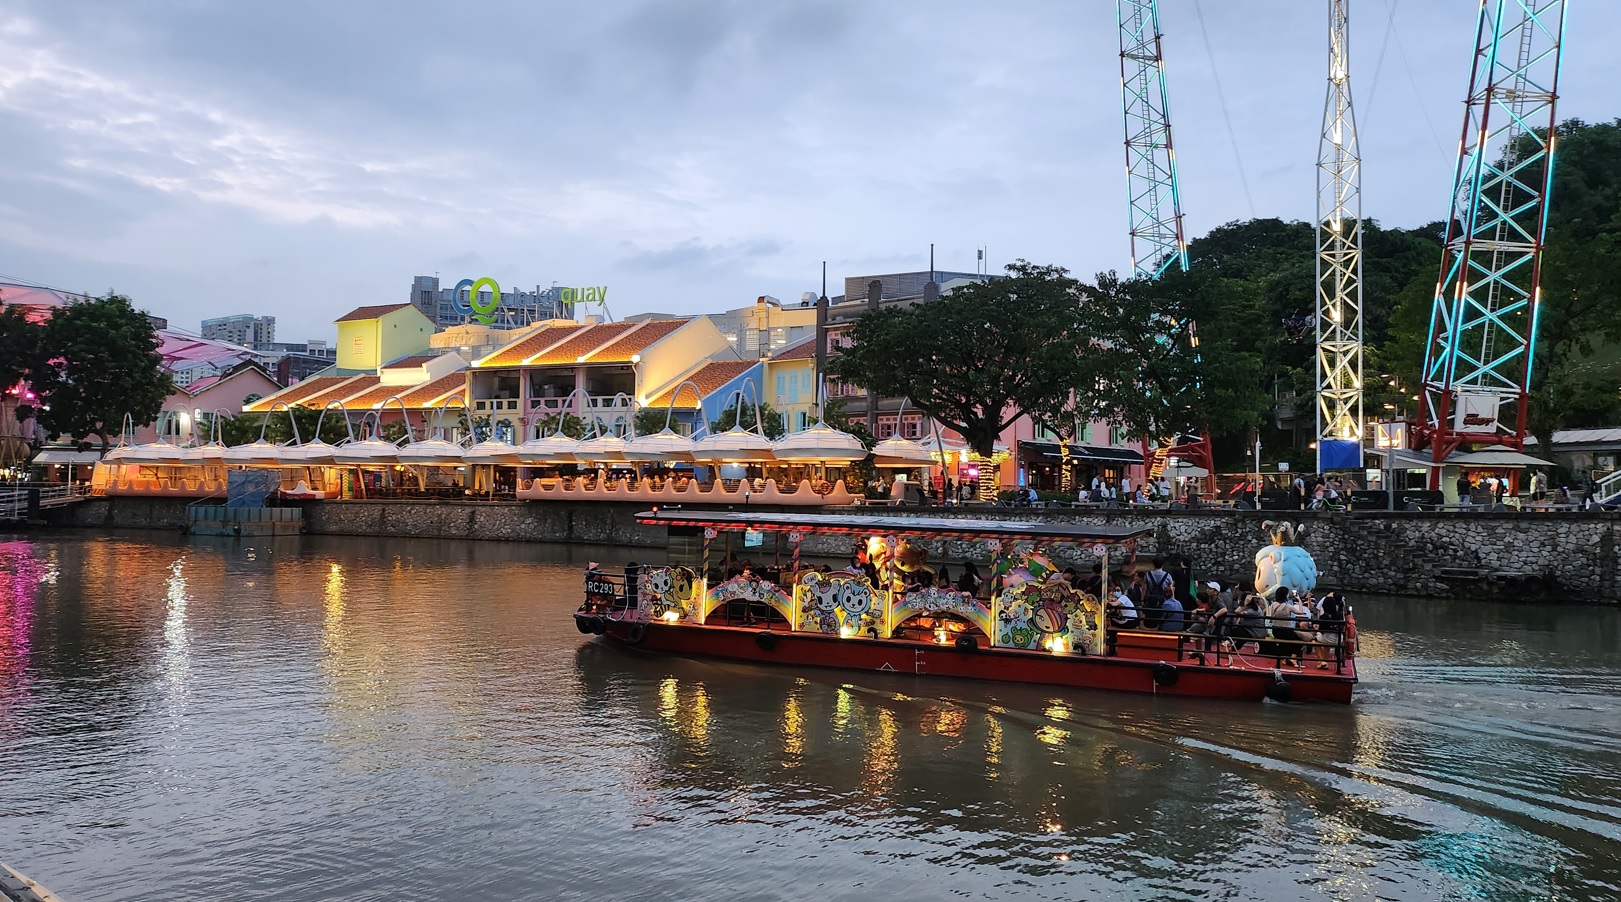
1339 262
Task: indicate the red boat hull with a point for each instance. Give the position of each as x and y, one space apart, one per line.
1245 677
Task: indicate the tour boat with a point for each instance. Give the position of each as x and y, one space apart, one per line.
886 613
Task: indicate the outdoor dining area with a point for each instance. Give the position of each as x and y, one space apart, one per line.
452 459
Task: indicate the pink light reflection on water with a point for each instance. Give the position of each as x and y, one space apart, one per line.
21 574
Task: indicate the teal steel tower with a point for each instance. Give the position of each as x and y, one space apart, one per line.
1157 239
1158 242
1483 323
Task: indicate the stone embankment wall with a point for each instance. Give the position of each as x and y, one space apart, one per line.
1566 556
508 521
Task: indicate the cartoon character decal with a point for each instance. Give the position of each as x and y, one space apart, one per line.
663 589
1047 616
828 602
944 601
749 588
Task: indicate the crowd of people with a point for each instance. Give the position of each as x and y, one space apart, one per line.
1288 626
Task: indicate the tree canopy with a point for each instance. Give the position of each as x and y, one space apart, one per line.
1151 372
977 358
728 418
103 365
22 348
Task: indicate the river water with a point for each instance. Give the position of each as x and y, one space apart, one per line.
358 719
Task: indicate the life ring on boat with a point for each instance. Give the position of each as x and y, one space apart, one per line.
766 639
1166 674
968 643
1280 690
583 624
599 625
637 634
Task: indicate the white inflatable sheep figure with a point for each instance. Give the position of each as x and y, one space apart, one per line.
1284 562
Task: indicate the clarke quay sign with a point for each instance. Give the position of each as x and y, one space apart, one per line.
475 306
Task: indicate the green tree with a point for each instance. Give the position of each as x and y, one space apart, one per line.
22 348
728 418
978 358
573 426
1147 375
1573 381
651 420
245 428
104 365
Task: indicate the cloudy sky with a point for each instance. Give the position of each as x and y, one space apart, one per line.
297 158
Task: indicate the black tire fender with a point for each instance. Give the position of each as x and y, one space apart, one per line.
599 625
637 634
766 639
1280 691
1166 674
583 624
968 643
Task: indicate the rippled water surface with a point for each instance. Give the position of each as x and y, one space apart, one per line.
356 719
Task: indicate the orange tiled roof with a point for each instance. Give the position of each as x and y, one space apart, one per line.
581 343
637 341
424 395
709 378
521 350
348 389
371 312
375 395
297 392
414 361
803 349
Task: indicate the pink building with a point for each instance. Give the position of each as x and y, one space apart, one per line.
237 387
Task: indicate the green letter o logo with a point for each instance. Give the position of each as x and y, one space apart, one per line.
482 313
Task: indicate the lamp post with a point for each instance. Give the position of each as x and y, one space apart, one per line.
1257 473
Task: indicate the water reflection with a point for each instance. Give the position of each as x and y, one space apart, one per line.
364 717
176 646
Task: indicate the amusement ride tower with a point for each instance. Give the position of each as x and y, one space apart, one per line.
1483 323
1339 262
1157 239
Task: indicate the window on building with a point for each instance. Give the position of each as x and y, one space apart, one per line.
886 427
912 427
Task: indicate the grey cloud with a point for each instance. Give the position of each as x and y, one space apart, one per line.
707 151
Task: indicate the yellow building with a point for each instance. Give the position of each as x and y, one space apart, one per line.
369 337
791 383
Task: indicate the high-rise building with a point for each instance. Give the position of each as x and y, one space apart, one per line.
518 308
241 329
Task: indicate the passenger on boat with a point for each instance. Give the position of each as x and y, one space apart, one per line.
1251 620
1330 628
1123 612
1158 585
1281 615
1171 619
1094 583
970 581
1137 589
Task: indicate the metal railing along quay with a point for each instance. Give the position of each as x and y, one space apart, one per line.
17 499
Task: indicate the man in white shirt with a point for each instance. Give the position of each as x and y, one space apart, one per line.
1125 486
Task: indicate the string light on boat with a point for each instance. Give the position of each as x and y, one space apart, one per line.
846 631
942 636
1057 645
672 616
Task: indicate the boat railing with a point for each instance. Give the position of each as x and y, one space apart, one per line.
1225 647
607 594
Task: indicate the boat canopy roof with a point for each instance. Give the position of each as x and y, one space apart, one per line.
935 527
